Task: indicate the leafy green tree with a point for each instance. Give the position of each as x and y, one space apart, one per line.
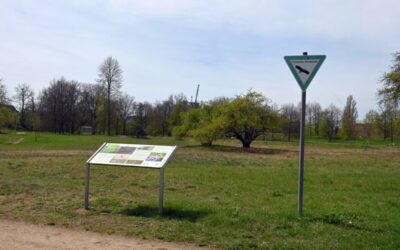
349 119
180 105
6 117
201 124
247 116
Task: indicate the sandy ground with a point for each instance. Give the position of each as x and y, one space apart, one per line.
19 235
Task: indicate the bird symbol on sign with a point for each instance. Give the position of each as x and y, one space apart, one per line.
301 70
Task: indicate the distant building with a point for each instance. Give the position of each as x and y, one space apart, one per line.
86 130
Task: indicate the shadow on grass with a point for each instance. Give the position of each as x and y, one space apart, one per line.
239 149
170 213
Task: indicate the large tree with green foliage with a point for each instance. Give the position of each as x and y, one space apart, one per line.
349 119
247 116
6 117
180 105
200 123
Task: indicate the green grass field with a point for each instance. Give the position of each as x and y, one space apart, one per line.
219 196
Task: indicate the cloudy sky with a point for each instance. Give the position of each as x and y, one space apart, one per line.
228 47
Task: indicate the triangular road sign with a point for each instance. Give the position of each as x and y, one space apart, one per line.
304 68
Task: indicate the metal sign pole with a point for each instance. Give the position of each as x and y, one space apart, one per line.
303 69
87 182
301 160
161 194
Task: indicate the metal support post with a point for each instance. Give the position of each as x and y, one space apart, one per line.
161 195
87 182
301 160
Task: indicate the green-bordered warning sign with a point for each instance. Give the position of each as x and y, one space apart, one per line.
304 68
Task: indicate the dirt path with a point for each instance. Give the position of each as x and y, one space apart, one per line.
19 235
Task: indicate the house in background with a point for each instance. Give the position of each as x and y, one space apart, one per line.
87 130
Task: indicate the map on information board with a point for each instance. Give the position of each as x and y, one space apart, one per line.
150 156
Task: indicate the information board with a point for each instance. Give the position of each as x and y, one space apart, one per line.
134 155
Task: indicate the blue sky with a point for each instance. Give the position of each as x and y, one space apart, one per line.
228 47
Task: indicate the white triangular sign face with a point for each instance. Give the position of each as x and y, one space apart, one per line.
304 68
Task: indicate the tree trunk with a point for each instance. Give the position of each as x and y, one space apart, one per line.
206 144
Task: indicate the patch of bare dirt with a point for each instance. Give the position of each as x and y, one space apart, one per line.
235 151
19 235
45 152
354 151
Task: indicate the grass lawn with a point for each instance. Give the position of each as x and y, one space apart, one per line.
219 196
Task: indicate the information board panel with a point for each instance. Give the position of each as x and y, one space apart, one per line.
133 155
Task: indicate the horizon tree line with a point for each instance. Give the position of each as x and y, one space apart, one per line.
66 105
